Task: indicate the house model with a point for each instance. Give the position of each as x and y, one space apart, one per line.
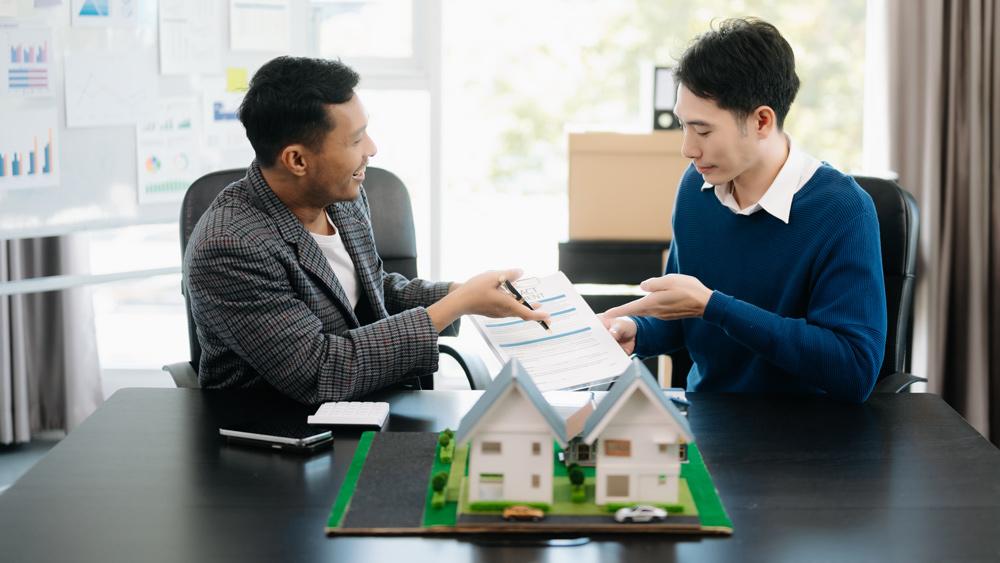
511 429
635 433
640 439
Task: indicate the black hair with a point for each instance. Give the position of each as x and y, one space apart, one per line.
742 65
286 103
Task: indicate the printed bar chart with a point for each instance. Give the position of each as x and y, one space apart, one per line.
28 149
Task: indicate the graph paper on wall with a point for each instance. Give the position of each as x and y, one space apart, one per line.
25 61
28 149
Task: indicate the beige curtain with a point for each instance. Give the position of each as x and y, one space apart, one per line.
944 130
49 372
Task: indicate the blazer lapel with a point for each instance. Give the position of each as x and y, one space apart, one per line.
357 236
313 260
293 232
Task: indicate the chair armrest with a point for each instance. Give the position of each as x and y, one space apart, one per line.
183 374
896 383
473 366
452 329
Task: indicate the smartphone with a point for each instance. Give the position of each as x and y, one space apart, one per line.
293 438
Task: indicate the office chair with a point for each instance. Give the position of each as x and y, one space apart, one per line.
395 241
899 226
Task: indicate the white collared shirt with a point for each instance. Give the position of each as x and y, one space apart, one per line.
799 167
336 254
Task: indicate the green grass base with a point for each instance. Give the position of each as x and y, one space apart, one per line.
447 514
697 495
350 481
710 509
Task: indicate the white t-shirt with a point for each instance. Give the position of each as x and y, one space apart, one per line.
343 267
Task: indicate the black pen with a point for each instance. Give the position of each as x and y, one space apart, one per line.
517 295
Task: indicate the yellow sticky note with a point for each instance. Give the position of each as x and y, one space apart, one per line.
236 79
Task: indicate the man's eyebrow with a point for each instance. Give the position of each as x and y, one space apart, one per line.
695 123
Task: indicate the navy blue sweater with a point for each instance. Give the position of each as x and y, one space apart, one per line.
797 307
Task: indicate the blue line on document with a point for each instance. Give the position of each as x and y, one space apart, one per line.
519 321
543 339
553 298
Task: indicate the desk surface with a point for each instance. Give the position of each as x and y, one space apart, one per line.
146 478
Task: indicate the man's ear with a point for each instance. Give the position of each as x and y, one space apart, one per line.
293 158
764 121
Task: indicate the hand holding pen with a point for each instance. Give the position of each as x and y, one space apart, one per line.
509 287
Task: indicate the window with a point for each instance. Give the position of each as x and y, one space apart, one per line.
617 485
618 448
536 448
504 125
682 452
583 452
663 447
491 447
662 479
536 481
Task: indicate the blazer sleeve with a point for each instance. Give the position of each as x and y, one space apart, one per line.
240 292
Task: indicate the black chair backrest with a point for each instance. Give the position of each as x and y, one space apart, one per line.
899 225
392 224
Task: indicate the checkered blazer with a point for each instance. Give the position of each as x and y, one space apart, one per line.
269 310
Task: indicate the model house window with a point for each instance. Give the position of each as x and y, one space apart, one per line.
662 479
682 452
618 448
583 452
536 448
536 481
663 447
617 485
491 447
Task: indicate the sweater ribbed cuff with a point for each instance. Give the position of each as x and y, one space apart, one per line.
717 308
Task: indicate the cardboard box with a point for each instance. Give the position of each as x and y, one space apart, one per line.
622 186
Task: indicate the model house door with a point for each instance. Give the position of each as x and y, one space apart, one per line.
490 486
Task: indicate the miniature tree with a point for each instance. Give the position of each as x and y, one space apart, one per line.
439 480
576 478
447 442
438 483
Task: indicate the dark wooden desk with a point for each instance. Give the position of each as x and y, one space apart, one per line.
146 478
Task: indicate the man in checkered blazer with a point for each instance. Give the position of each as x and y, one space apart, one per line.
285 285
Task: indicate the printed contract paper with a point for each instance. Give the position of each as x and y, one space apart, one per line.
576 352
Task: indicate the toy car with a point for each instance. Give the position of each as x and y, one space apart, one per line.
522 512
640 513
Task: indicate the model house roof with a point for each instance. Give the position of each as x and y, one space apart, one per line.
511 379
635 378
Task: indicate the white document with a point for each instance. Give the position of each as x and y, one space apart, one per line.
167 156
29 150
27 61
105 13
189 37
259 25
105 89
576 352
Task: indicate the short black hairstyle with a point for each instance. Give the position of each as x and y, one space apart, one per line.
741 65
286 103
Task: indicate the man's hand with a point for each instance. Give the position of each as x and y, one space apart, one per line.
622 329
481 295
673 296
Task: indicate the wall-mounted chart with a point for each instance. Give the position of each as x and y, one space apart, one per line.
25 57
166 150
28 150
103 13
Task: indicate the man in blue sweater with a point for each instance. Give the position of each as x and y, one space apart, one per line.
774 278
